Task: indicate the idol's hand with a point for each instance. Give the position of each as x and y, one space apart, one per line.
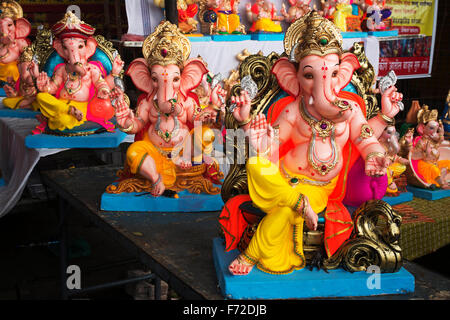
389 102
243 105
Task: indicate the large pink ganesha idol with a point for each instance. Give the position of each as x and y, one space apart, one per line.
14 30
306 146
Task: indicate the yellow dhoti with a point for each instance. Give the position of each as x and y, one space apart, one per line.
394 171
57 111
9 70
265 24
431 171
139 150
228 22
13 103
277 245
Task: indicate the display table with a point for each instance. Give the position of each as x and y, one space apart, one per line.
17 161
177 247
221 56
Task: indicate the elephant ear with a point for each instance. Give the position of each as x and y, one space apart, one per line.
91 46
349 63
286 75
23 28
140 75
192 75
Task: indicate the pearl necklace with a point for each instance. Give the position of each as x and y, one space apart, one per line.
323 128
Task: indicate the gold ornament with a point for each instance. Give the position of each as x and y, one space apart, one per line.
10 9
26 55
424 115
312 34
166 45
366 131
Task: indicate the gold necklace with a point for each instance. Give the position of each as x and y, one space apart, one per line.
72 77
323 128
165 135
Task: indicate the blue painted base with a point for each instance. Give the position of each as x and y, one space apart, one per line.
100 140
262 36
187 202
402 197
2 182
2 93
231 37
303 283
355 34
18 113
429 194
388 33
199 38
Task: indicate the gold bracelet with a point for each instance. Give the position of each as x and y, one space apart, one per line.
375 154
127 129
243 123
389 121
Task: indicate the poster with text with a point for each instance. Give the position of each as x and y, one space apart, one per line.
411 53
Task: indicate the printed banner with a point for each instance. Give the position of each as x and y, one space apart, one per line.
411 53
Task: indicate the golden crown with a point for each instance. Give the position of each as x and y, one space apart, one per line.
26 55
166 45
312 34
424 115
10 9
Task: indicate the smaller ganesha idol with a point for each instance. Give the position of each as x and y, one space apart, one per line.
14 30
378 18
222 16
79 71
263 16
430 153
170 167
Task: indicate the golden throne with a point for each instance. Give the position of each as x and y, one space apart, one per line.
376 232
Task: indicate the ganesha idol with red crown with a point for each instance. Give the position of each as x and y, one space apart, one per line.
78 73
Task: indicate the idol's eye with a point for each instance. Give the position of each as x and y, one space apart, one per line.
308 76
176 79
154 79
80 46
334 74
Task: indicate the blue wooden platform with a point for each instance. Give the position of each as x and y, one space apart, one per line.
401 198
187 202
429 194
304 283
199 38
355 34
263 36
100 140
388 33
18 113
231 37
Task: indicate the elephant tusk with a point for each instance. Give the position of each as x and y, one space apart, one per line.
311 100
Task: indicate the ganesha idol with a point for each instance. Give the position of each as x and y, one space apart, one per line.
222 16
14 30
75 84
305 147
262 15
173 142
430 153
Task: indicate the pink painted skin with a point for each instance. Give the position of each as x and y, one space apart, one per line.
28 72
318 80
76 52
163 83
12 38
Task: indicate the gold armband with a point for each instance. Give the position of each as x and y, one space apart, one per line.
127 129
375 154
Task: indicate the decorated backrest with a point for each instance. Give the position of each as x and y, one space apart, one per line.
259 68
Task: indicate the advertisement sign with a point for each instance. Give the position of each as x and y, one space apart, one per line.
410 54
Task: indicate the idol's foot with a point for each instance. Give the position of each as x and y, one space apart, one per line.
240 267
184 163
158 187
76 113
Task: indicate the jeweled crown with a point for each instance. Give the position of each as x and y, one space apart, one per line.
312 34
10 9
424 115
166 45
72 27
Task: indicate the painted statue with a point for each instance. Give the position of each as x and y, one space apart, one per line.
389 140
187 9
328 8
22 94
297 9
224 16
263 16
13 38
425 154
305 145
343 10
78 87
168 113
376 13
